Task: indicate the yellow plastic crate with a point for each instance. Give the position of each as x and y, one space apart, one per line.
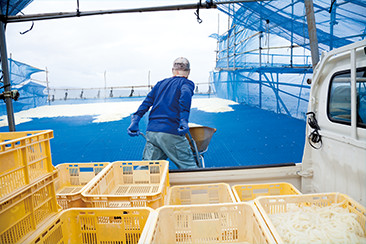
71 181
280 204
200 194
212 223
93 225
23 213
129 184
249 192
25 158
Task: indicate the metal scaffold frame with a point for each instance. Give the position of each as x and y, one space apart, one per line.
267 42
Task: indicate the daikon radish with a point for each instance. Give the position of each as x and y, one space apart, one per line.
330 224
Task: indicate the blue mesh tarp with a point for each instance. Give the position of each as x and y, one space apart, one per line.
20 72
264 59
12 7
339 22
32 94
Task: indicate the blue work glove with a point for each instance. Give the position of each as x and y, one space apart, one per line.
183 127
133 129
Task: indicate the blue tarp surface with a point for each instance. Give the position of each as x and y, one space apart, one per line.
245 136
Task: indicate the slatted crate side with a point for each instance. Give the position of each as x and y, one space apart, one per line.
24 212
200 194
25 158
211 223
248 192
73 178
128 184
93 225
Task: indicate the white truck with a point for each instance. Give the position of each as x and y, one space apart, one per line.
334 158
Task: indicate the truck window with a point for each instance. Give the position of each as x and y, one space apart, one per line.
339 104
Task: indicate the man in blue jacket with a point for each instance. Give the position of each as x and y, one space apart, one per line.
170 102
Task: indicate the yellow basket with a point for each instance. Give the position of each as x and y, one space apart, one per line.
25 158
212 223
249 192
129 184
279 204
200 194
93 225
71 181
23 213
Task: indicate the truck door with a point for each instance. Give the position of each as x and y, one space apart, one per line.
335 149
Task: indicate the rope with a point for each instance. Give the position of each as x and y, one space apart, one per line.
197 13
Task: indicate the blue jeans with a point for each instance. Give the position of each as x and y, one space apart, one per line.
160 146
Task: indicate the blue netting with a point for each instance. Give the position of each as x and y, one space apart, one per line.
32 94
264 59
12 7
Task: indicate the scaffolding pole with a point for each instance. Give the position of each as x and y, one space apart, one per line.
58 15
6 78
310 17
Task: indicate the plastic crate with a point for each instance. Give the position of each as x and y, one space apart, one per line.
212 223
200 194
25 158
280 204
129 184
71 181
249 192
25 212
93 225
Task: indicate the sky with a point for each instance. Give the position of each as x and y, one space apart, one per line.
118 49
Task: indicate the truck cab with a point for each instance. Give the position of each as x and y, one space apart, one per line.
335 151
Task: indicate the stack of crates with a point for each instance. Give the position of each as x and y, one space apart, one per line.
29 210
72 180
27 176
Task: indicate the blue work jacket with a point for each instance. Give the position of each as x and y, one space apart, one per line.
170 100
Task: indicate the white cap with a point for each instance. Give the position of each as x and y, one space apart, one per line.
181 64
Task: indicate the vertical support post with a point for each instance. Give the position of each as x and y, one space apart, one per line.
310 18
148 82
105 84
292 34
277 93
218 42
234 47
353 95
332 23
6 77
228 38
260 49
48 88
260 88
